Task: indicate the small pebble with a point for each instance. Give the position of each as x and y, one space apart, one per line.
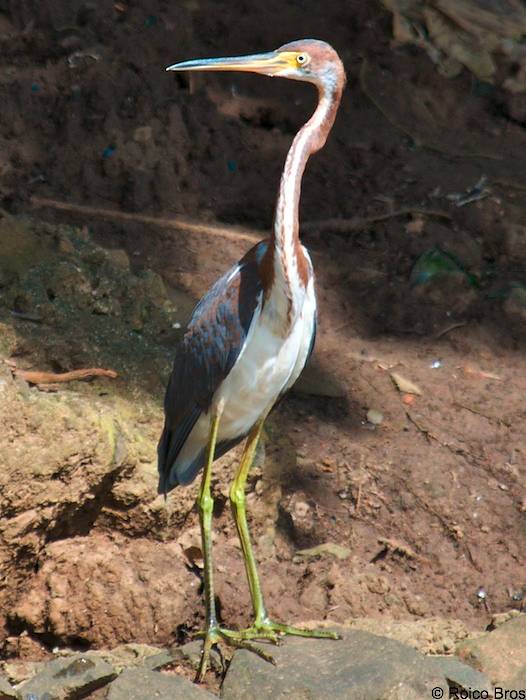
374 416
301 509
436 364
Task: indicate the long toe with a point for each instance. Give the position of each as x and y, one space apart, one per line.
282 630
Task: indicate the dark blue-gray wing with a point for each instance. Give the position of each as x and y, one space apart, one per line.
211 345
312 341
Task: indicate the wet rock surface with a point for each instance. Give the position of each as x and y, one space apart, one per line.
68 679
360 666
140 684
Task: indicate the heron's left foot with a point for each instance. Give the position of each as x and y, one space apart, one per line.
238 639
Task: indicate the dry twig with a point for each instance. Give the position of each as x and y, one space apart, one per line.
425 432
35 377
181 223
356 223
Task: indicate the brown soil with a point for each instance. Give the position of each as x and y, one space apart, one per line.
431 502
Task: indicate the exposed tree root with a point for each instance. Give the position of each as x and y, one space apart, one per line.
35 377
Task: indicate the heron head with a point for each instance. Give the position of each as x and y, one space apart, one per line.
309 60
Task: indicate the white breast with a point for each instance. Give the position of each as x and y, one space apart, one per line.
268 365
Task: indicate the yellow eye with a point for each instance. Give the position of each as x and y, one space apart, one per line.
302 59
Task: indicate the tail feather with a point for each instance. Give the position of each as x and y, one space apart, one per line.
172 474
170 445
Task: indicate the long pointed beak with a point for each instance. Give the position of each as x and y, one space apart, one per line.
265 63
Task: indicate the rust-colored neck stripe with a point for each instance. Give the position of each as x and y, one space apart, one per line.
285 249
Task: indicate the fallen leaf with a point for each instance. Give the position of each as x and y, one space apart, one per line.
331 548
404 385
479 374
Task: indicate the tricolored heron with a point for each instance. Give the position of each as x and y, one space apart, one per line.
248 339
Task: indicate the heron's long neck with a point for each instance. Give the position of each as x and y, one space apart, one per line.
290 265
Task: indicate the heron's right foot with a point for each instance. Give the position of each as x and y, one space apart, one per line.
266 626
238 639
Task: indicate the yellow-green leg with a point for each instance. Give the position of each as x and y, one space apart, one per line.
213 633
263 628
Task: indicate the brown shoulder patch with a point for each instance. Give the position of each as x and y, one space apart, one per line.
266 269
302 263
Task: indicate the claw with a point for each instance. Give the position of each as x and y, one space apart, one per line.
238 639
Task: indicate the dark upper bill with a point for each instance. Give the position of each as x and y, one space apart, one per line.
267 63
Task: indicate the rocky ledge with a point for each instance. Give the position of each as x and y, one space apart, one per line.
360 666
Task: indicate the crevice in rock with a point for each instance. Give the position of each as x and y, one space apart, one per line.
16 626
78 519
285 524
182 633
